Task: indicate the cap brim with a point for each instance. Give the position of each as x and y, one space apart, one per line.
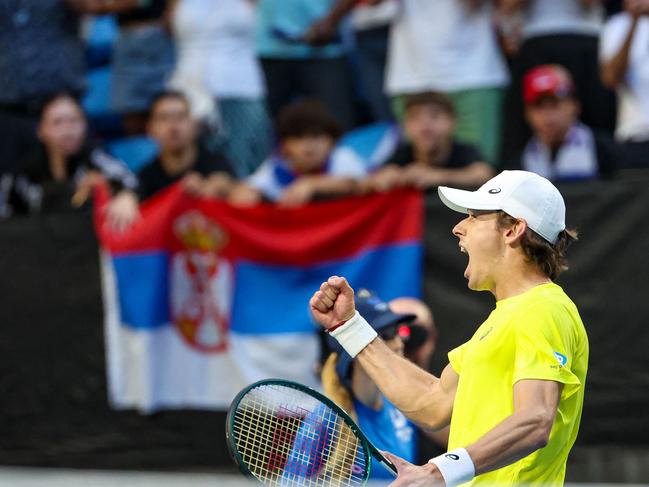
462 201
389 319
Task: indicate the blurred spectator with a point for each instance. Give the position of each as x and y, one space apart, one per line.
63 168
562 147
421 337
307 165
143 56
217 65
430 157
294 68
624 61
561 32
181 157
450 46
371 22
347 384
40 54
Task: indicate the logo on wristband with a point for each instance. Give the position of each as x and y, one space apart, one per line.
452 456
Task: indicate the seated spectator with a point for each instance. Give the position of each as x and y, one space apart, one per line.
181 156
347 384
307 164
422 338
63 168
624 61
430 157
562 147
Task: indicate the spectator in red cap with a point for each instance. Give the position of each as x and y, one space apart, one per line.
562 32
561 147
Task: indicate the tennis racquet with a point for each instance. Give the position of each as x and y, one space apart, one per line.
284 433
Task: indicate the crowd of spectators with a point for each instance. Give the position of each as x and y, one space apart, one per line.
250 100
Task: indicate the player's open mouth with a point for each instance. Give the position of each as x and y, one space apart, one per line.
464 251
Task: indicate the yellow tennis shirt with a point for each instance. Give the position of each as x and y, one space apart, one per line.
535 335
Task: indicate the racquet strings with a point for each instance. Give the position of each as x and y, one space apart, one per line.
287 437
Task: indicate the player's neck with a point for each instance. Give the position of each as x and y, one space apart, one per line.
518 278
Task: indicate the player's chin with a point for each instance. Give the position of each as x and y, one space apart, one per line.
472 284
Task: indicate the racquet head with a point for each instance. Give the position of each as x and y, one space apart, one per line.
284 433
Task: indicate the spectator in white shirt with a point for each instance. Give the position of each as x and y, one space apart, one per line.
446 46
219 71
624 60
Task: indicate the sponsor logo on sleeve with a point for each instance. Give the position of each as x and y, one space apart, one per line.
561 358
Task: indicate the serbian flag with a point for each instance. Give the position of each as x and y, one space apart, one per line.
202 298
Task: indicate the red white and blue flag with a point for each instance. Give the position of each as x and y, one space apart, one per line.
202 298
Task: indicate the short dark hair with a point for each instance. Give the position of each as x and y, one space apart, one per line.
439 100
549 258
164 95
54 97
307 117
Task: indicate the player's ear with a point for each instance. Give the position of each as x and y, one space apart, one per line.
515 232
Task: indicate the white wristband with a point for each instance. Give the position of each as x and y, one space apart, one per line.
455 466
354 335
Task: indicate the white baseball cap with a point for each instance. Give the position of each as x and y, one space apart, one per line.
520 194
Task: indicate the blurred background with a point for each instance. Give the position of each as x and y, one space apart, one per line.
230 146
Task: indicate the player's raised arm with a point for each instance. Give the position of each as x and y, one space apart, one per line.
421 396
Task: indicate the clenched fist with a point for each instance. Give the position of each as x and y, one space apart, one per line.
333 303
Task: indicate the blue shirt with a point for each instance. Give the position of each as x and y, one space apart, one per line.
387 429
278 19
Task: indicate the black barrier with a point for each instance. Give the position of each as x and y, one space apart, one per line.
53 404
608 280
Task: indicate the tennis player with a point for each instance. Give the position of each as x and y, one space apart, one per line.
513 393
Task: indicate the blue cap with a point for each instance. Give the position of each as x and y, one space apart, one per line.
380 317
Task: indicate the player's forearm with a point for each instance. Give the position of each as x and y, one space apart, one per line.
411 389
514 438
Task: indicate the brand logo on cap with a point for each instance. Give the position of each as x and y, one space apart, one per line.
494 191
